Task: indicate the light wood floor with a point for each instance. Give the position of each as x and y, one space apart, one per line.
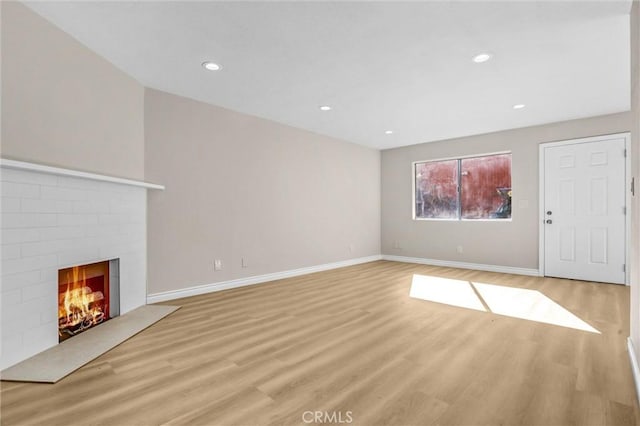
352 343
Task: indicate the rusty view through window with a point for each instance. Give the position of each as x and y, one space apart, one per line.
466 188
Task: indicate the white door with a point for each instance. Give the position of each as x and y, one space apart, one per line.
584 210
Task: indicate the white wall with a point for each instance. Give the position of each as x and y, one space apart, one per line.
64 105
503 243
635 171
242 187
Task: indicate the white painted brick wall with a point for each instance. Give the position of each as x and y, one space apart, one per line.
49 222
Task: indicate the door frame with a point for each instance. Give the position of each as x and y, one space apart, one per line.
541 185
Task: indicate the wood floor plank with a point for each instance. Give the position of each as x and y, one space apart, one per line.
352 340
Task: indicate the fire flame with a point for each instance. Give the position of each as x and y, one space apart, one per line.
79 307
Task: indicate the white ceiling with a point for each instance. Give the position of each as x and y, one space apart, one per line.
401 66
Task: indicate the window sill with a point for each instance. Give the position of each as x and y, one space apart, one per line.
435 219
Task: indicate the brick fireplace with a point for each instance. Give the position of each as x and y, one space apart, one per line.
54 219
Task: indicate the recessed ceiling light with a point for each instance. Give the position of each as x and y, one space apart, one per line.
388 132
325 108
518 106
482 57
211 66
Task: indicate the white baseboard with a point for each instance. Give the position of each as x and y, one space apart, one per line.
463 265
258 279
635 369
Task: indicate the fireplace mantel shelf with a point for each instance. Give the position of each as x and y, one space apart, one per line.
22 165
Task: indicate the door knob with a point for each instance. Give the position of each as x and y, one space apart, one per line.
549 212
549 221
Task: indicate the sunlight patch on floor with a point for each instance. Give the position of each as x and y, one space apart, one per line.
444 290
530 305
501 300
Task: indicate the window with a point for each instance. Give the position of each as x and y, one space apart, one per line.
464 188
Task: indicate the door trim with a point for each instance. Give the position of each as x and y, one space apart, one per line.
541 213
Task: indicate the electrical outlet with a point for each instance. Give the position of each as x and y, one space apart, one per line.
244 262
352 248
459 249
217 265
397 245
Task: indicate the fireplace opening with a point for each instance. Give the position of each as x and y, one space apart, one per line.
88 295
